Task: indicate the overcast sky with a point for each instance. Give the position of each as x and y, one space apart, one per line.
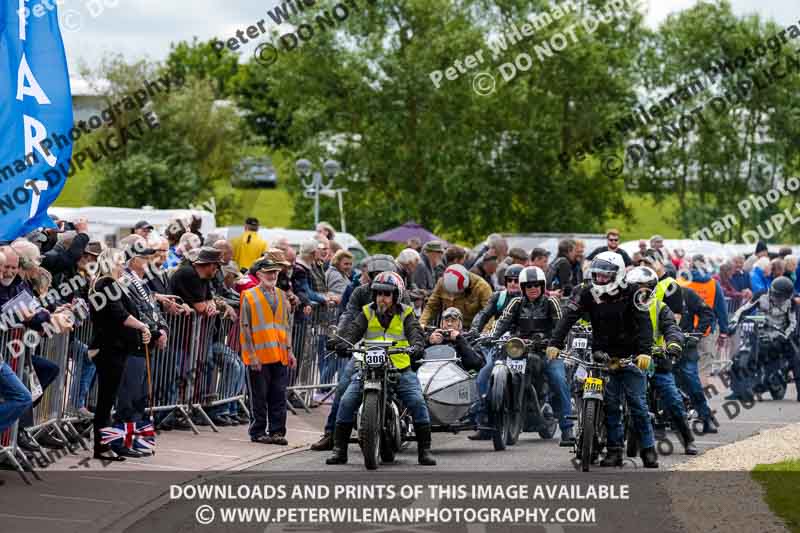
145 28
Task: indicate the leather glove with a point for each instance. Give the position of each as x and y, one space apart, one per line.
674 349
691 342
415 353
643 362
552 352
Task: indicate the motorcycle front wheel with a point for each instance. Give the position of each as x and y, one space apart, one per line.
501 417
369 429
588 425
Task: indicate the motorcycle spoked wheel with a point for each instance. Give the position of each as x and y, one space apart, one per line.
777 385
631 437
515 423
369 430
389 436
588 426
501 421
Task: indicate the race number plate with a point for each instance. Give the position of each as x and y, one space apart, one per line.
375 358
517 364
593 385
579 343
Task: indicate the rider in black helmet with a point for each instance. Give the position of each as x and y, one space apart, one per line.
777 343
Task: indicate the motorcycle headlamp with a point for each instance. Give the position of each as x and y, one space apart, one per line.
515 348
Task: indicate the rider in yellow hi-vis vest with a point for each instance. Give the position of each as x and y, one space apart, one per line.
386 319
668 336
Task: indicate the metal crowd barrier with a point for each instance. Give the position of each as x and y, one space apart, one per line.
199 369
8 438
316 370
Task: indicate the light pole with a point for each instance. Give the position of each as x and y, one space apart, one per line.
313 188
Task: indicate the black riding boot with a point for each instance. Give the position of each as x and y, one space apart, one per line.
341 439
613 457
685 434
649 457
425 456
324 444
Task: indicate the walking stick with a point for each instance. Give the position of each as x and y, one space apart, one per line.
149 387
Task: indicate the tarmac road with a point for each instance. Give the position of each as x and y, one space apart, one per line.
531 453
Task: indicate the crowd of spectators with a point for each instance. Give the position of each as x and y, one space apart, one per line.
51 280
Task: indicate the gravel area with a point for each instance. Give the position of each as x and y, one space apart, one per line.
714 491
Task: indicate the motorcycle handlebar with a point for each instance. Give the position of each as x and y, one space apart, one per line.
566 356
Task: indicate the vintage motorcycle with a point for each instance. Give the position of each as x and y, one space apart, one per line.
591 373
381 423
525 403
751 332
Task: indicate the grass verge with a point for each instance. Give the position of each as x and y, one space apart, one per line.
781 483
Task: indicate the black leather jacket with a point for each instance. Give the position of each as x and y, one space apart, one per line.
619 328
525 318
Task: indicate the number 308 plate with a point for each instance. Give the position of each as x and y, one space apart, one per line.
375 358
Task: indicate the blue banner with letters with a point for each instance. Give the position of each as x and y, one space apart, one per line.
36 110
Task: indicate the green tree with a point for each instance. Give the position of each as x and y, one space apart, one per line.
186 160
749 148
201 60
459 163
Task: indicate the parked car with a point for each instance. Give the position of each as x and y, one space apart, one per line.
255 172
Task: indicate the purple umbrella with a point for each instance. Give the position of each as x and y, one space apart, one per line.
407 231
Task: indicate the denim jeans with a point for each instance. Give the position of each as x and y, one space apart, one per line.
233 382
631 382
16 398
482 381
688 378
88 372
346 368
47 372
556 376
327 365
667 390
408 390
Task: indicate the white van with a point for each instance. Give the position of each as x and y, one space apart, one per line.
296 237
110 224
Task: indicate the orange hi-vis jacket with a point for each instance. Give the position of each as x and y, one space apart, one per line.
706 290
268 339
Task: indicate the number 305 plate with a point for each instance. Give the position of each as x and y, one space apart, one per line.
593 385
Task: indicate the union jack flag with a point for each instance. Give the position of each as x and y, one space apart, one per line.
131 435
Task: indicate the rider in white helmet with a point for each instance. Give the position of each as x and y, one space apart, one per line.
620 329
643 281
535 315
607 273
458 288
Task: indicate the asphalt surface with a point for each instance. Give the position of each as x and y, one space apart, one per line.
454 452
